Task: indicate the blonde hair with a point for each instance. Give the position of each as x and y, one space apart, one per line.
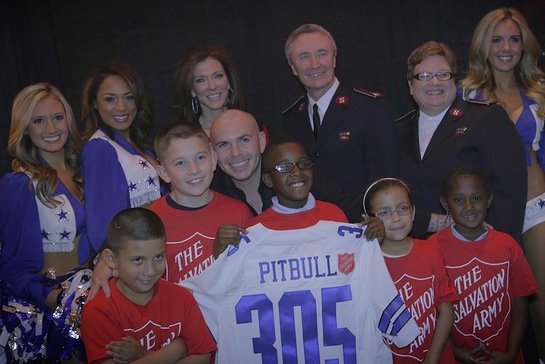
25 152
527 73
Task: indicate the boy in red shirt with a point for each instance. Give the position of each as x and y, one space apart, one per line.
193 214
146 318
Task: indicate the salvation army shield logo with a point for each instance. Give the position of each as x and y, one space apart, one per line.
154 336
485 302
419 296
346 263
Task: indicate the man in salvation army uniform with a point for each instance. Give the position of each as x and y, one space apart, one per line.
349 133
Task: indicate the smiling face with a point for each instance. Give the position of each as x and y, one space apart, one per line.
116 104
291 188
48 127
468 201
188 165
506 46
238 143
210 85
140 264
397 227
312 59
433 96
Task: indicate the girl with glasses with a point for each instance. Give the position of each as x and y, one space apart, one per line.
418 271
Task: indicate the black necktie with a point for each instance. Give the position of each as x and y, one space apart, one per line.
316 120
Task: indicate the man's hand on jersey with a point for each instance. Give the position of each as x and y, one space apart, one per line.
227 235
126 350
375 228
101 275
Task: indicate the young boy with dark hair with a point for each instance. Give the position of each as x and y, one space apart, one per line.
193 214
287 169
147 318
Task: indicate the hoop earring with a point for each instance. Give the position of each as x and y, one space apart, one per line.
229 95
195 106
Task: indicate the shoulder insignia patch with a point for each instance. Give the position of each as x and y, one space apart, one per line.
292 105
406 115
373 94
341 100
456 112
482 102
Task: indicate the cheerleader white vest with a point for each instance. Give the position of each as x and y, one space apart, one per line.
141 177
57 224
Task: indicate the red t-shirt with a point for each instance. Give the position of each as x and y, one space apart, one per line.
487 275
422 281
191 233
172 312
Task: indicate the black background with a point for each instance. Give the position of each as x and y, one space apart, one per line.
59 41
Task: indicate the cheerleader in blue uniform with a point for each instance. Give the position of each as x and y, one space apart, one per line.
117 164
41 221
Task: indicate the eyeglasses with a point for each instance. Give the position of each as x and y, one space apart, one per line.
288 167
427 76
401 211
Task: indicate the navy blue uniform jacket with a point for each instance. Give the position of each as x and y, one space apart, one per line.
470 133
356 143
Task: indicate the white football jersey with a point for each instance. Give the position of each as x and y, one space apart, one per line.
317 295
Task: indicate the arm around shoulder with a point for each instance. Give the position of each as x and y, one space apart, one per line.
105 190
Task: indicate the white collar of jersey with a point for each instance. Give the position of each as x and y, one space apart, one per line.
281 209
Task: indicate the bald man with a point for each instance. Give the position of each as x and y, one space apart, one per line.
239 143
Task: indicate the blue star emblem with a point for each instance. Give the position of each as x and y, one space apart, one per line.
143 163
132 186
63 215
65 234
45 234
151 181
540 203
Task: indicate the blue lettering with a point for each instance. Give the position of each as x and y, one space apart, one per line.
295 272
329 273
282 264
306 274
274 272
293 269
318 274
264 268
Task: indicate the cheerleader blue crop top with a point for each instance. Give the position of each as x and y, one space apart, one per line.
528 125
